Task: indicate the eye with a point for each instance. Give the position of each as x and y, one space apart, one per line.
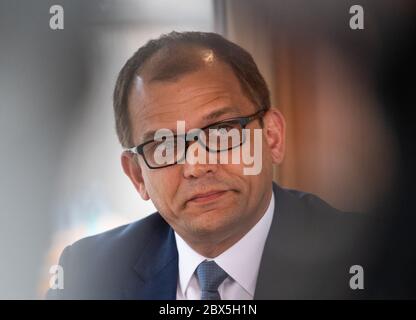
226 126
223 128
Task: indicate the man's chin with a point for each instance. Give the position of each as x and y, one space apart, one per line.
210 214
212 221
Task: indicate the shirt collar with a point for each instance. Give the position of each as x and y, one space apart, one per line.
246 252
189 260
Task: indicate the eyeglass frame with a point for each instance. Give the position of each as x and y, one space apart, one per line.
243 121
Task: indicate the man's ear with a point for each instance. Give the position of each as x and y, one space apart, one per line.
274 131
132 169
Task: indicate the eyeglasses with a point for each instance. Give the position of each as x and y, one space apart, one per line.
217 137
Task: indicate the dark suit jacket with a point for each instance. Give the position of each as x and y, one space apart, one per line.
308 254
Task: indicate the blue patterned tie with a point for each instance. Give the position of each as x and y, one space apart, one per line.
210 276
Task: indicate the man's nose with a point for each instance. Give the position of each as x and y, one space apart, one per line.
198 164
198 170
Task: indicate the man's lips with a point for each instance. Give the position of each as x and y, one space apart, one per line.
208 196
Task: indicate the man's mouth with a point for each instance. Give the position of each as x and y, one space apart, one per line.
207 197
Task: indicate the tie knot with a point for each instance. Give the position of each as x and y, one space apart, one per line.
210 276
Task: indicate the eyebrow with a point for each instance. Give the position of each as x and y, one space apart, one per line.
212 116
218 113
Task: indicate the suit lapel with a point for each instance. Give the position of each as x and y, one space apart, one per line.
307 252
280 270
155 273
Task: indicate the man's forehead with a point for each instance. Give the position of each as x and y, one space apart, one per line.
172 100
201 96
214 79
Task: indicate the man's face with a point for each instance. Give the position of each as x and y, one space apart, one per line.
200 201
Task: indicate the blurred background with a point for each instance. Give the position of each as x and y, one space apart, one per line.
347 96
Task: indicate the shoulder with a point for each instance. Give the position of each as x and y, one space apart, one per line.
311 206
306 199
112 240
311 220
87 263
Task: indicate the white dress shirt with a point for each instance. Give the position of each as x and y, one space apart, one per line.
241 262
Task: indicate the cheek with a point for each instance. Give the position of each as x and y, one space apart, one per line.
259 165
252 156
161 185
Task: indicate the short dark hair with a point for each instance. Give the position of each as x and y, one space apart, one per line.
175 62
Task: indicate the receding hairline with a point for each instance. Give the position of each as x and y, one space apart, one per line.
171 62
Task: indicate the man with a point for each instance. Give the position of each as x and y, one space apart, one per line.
220 232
